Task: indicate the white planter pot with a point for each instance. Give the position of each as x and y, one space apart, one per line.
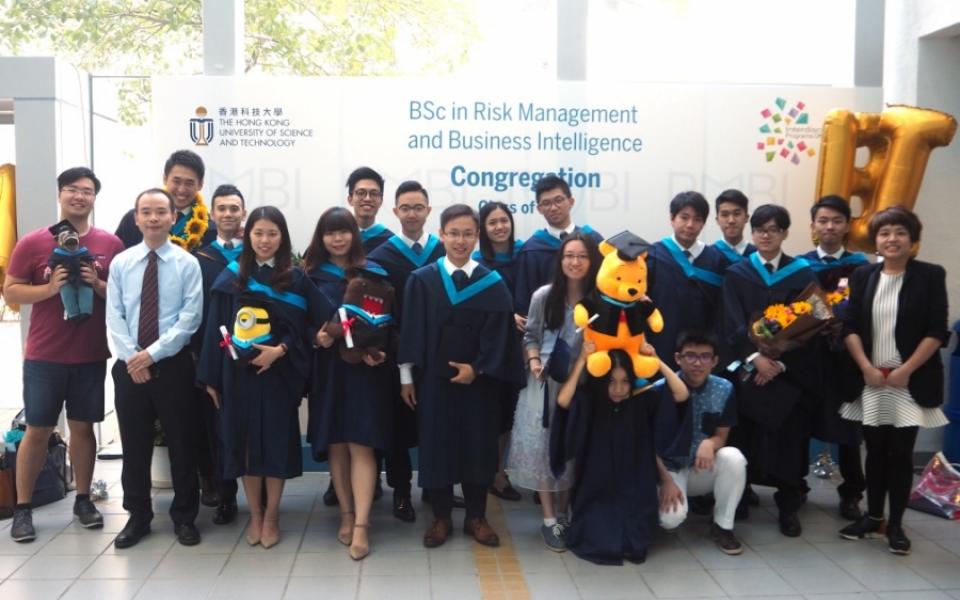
160 468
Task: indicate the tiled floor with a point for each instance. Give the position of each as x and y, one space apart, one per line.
68 562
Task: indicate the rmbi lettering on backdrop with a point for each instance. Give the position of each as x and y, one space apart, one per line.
624 149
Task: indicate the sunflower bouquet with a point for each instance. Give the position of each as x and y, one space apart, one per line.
188 231
784 327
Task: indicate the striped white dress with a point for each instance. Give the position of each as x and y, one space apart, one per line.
887 405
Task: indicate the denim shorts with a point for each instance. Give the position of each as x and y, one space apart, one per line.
47 385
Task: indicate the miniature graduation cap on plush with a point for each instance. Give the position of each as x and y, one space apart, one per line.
628 246
66 234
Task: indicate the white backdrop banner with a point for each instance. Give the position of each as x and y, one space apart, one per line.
625 149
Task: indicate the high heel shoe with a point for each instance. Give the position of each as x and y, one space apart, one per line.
269 540
345 534
360 552
254 534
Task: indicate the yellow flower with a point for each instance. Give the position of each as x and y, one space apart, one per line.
200 212
774 311
178 242
195 226
801 308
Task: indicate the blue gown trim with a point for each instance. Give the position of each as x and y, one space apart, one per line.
728 251
366 316
374 230
855 258
771 279
255 286
410 255
501 257
689 269
230 255
333 269
457 296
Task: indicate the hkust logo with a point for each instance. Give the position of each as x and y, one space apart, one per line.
201 127
787 132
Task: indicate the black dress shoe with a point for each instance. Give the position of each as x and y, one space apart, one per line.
131 534
403 509
187 534
226 513
850 508
209 495
458 502
507 493
790 525
330 496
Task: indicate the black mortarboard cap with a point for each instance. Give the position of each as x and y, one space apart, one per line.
629 246
60 227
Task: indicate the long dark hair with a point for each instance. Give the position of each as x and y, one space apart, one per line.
599 387
486 246
334 219
557 297
283 259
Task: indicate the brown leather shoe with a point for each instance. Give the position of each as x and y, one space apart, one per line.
481 531
438 533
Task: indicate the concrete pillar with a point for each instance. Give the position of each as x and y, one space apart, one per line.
868 45
572 40
223 37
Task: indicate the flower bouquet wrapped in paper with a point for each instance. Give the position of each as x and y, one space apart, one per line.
785 327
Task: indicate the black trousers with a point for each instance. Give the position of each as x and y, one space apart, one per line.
210 448
889 469
851 469
474 496
399 471
168 396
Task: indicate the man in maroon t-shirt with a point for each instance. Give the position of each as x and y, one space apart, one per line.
64 362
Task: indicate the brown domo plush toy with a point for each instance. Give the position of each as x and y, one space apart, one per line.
364 322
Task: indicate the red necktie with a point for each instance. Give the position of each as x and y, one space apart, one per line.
149 329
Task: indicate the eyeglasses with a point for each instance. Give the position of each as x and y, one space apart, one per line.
406 209
695 357
372 194
85 192
768 231
460 235
576 257
551 202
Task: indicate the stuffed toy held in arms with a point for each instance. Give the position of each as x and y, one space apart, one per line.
364 320
614 316
76 294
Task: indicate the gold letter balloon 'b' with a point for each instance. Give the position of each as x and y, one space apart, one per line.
899 141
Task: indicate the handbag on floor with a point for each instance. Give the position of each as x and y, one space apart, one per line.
937 492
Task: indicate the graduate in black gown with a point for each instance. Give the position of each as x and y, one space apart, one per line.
365 196
684 276
498 252
351 405
607 429
456 342
272 312
537 256
776 400
400 255
833 264
227 212
733 211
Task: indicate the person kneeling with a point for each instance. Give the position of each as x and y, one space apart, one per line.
692 455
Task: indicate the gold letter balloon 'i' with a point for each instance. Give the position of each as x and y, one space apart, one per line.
899 141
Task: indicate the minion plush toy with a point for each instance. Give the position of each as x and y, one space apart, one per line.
252 326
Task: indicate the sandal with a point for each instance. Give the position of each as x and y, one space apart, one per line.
345 534
360 552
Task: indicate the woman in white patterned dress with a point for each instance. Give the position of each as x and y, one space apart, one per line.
550 343
896 325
